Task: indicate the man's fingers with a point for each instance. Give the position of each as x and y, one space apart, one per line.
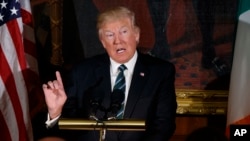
46 89
44 86
59 78
55 83
50 85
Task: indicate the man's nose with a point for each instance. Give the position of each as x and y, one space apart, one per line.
117 39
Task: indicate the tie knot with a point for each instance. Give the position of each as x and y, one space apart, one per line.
122 67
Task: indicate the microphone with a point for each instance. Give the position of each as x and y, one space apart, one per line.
117 97
94 106
96 98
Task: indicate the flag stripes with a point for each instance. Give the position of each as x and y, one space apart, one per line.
11 91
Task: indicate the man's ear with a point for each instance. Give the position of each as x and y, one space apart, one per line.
101 40
103 44
137 38
137 34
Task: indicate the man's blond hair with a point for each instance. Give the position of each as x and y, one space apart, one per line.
114 14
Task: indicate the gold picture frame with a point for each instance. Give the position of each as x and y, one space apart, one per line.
201 102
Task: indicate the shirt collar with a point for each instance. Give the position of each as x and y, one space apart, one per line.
130 64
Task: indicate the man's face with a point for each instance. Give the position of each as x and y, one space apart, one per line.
120 39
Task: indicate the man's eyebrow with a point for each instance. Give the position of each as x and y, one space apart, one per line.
106 30
125 26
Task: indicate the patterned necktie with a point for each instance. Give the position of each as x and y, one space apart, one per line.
120 84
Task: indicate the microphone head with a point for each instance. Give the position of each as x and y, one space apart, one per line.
95 97
117 96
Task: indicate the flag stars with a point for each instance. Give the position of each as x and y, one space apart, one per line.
3 4
9 10
13 11
1 17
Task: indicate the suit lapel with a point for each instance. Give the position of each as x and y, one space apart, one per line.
138 81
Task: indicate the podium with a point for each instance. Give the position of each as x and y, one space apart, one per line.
102 126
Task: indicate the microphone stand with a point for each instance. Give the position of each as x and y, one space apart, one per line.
102 134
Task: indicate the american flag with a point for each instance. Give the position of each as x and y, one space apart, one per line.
17 63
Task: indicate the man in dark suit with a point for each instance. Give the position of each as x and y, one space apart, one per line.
149 91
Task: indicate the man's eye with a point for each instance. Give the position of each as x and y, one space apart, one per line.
124 31
109 35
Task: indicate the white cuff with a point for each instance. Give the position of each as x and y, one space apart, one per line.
51 122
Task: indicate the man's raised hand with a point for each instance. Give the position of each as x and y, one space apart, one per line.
55 96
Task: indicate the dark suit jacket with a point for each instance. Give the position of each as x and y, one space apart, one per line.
151 97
